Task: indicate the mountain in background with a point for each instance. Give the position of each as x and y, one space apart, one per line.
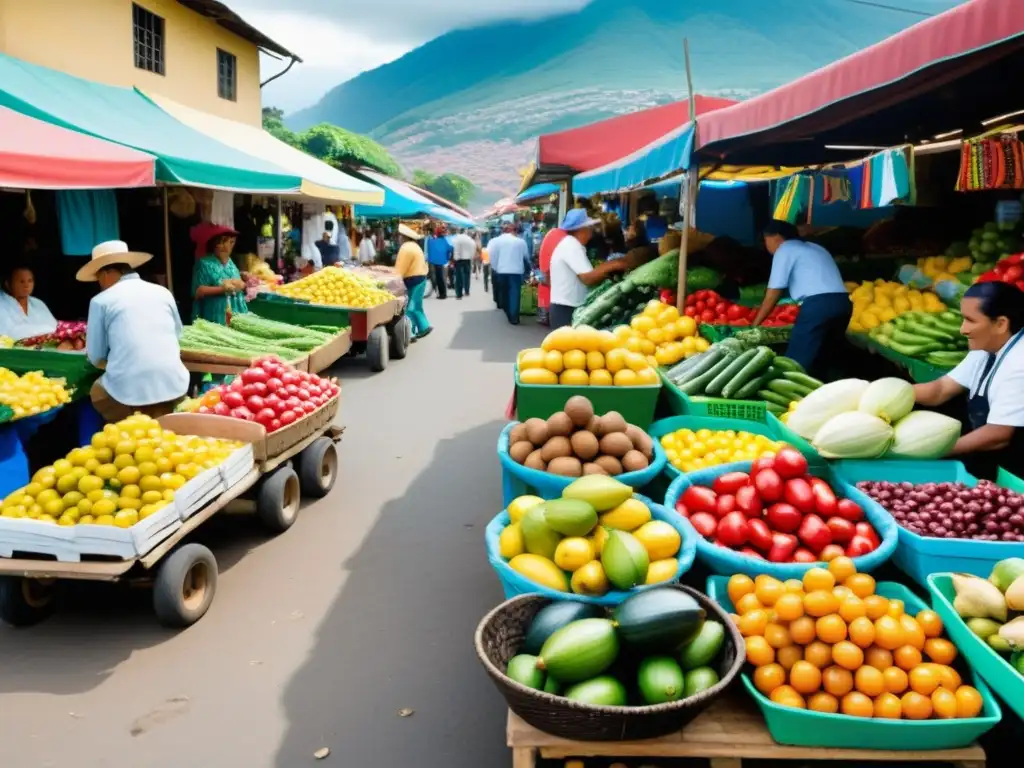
473 101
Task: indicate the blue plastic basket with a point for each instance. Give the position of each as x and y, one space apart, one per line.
726 561
804 728
920 556
515 583
517 480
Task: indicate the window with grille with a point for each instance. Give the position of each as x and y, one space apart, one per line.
227 67
148 30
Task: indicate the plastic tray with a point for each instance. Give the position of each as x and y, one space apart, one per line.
993 667
919 556
803 728
674 423
517 480
726 561
636 404
514 583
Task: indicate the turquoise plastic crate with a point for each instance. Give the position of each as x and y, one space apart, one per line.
803 728
727 561
993 667
517 480
920 556
514 583
674 423
636 404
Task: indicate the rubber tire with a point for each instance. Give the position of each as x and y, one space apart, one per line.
16 609
377 349
318 468
401 337
278 499
172 607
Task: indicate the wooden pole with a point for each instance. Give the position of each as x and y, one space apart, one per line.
687 204
167 243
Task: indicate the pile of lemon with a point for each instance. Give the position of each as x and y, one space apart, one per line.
662 334
583 357
32 393
338 287
880 301
128 472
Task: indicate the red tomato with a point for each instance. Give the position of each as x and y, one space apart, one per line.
733 530
704 523
748 502
759 534
784 518
724 504
768 485
842 530
860 545
699 499
789 463
849 510
798 493
730 482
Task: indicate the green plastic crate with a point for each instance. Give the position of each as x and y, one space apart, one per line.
293 312
636 404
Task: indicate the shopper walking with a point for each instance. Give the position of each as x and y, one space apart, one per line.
439 251
466 249
510 260
412 266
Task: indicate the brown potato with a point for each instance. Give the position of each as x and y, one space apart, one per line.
584 445
580 410
520 451
555 448
609 464
634 461
536 431
559 425
616 444
534 461
567 466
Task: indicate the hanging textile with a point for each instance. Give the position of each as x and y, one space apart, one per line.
992 162
87 217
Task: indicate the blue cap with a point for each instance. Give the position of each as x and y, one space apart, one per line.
577 219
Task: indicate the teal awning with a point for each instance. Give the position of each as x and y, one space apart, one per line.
123 116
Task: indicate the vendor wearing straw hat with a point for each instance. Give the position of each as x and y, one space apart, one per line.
132 333
217 285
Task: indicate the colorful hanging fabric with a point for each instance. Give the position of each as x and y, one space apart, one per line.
991 162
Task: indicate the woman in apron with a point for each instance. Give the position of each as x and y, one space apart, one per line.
992 375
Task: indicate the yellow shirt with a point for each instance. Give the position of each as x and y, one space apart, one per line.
410 261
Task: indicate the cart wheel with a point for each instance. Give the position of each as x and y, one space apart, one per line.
278 498
401 335
318 468
377 349
184 586
24 602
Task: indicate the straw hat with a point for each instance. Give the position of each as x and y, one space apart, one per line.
406 231
110 252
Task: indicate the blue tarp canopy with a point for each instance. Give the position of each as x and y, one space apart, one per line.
537 191
665 156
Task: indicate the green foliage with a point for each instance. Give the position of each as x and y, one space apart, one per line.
452 187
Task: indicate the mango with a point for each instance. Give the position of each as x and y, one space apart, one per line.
541 571
538 537
601 492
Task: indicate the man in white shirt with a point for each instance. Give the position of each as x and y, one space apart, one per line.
571 272
510 259
466 249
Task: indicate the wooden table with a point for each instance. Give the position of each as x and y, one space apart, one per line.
729 731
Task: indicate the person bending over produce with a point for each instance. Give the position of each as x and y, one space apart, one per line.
217 285
992 375
411 265
23 316
811 276
132 333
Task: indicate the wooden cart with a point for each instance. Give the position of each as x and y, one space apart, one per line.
300 460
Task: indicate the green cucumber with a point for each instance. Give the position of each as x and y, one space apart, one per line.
788 388
804 380
760 362
784 363
773 398
695 386
658 620
729 372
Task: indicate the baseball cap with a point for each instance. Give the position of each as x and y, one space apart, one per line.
577 219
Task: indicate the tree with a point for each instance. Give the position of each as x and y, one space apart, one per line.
452 187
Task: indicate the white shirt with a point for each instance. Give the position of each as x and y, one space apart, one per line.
509 255
14 321
465 247
568 261
367 253
1005 389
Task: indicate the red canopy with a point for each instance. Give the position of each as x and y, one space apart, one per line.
595 145
38 155
941 59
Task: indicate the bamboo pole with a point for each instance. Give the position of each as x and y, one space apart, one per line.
167 242
689 191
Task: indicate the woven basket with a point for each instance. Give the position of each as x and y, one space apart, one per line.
500 635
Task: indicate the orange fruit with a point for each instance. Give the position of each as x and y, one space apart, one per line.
794 585
912 632
857 705
940 651
896 608
830 629
924 679
739 585
777 636
820 603
768 678
753 623
930 623
861 584
862 632
888 633
876 606
852 607
785 696
847 655
823 702
842 568
767 589
879 658
869 681
802 630
788 656
837 681
906 657
804 677
789 607
944 703
759 652
968 702
819 654
818 579
888 707
748 603
949 678
916 706
896 680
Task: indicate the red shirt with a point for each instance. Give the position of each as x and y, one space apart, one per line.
547 248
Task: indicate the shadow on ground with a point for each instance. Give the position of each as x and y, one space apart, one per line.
400 634
488 332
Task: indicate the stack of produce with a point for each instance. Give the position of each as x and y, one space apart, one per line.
572 650
338 287
69 336
994 609
709 307
32 393
830 644
1009 270
878 302
595 538
689 451
128 472
252 336
662 335
934 338
778 512
985 512
852 419
585 356
270 393
575 442
729 371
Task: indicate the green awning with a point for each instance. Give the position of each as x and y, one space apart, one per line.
122 115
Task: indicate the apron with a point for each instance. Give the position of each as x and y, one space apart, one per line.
986 464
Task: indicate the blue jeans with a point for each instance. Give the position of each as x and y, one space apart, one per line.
508 287
415 286
462 277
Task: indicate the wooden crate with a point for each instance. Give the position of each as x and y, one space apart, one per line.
729 732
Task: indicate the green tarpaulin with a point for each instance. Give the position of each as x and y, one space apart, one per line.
121 115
